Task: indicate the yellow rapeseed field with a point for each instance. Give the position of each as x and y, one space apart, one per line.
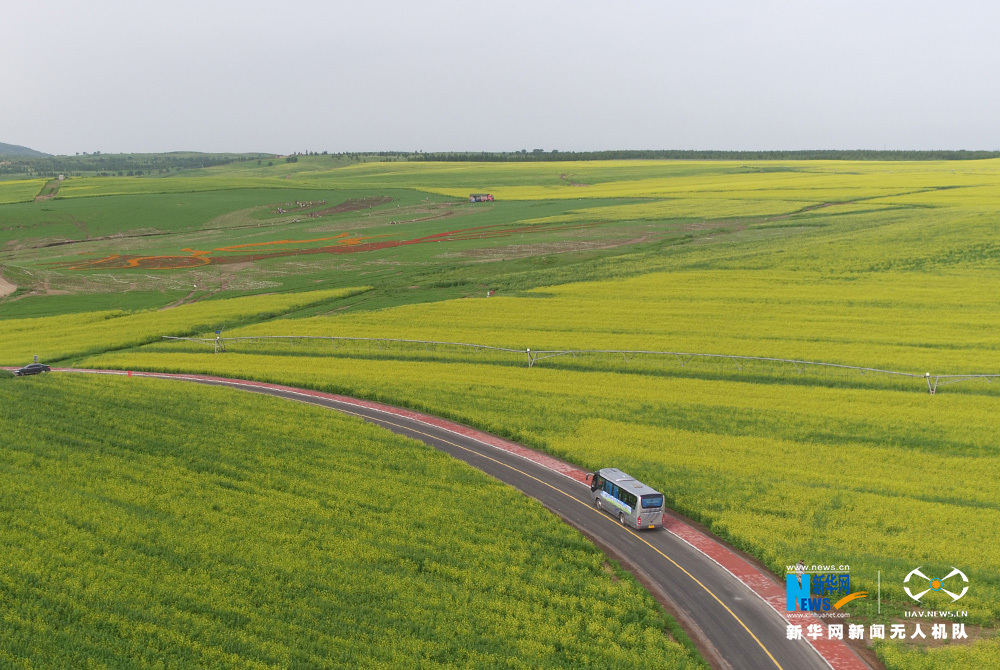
911 322
58 337
781 470
20 190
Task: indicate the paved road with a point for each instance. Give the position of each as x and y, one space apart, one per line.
736 628
732 625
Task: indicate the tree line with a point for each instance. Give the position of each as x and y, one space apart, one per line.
117 164
145 164
680 154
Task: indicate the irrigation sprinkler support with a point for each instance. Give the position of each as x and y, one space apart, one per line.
944 380
540 355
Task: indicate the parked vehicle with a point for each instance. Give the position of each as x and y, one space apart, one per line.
32 369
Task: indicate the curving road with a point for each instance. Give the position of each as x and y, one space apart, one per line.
735 626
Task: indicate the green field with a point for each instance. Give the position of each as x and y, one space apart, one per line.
407 229
870 264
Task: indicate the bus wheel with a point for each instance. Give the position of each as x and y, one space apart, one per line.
597 501
621 517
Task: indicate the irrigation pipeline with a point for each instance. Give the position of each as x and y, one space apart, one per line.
534 355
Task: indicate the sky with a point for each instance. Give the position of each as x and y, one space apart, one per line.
123 76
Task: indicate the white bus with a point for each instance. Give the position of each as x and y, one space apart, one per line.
634 503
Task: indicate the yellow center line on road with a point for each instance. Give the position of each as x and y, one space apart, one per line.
570 496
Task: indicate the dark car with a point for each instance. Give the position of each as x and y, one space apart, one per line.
32 369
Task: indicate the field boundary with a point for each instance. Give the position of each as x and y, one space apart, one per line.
934 381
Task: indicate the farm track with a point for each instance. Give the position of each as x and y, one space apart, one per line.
732 611
6 288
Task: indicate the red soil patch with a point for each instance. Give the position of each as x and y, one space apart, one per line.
343 244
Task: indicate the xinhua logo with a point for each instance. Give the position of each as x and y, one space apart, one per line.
934 584
812 593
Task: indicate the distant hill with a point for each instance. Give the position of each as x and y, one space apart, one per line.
15 150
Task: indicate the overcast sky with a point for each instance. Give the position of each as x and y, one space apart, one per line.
303 75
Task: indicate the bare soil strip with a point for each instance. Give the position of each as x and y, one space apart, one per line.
49 191
6 288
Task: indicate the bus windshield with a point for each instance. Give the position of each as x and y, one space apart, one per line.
649 502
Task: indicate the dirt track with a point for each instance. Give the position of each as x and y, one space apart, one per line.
6 288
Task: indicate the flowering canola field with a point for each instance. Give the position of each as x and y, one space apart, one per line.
783 471
61 337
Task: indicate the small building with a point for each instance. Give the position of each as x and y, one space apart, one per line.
480 197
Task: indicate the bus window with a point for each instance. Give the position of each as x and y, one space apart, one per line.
652 502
